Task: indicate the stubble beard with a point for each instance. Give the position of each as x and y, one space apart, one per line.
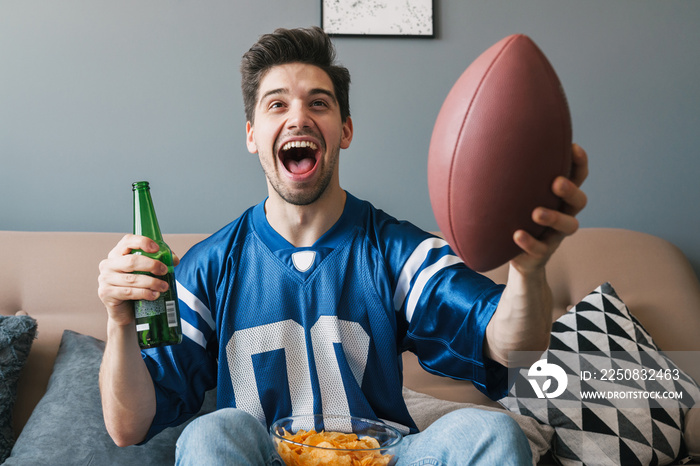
308 196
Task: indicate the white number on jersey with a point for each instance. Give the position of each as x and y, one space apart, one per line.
289 336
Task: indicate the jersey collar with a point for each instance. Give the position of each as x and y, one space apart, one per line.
330 239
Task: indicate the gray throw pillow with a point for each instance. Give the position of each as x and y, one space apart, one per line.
67 426
16 336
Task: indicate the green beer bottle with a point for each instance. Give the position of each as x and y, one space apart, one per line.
157 322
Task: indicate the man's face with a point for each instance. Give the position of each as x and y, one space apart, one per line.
298 132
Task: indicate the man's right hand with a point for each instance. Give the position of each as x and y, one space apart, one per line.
118 285
126 387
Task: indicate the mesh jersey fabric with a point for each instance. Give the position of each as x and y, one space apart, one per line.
281 330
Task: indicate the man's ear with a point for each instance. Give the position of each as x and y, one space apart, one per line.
346 138
250 139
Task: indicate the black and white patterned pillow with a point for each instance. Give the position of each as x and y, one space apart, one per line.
599 345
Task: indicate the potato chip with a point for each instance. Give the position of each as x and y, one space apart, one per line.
332 448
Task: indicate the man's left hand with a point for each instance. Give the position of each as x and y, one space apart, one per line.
561 223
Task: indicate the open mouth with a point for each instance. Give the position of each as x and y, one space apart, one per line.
299 157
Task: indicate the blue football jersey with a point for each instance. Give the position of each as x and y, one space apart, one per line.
281 330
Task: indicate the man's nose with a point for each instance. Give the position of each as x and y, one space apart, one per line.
299 117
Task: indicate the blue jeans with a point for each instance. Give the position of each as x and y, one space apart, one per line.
462 437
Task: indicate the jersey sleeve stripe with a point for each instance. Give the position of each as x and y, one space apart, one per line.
193 334
412 266
422 280
195 304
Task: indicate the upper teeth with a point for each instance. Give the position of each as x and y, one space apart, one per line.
298 144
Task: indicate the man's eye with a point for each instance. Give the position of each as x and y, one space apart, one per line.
276 105
319 103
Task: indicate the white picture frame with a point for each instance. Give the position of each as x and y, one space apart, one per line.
413 18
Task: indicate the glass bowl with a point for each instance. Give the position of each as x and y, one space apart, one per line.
375 446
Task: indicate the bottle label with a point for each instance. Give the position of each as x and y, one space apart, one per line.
149 308
171 313
143 327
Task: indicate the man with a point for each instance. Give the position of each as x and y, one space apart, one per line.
305 302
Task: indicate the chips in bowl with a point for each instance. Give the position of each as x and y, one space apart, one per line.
334 440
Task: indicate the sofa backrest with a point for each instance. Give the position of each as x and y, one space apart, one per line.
53 277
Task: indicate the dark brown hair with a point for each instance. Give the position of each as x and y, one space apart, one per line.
311 46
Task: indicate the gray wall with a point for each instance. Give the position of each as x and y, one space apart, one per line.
95 94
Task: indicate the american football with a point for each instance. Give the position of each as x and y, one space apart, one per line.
503 134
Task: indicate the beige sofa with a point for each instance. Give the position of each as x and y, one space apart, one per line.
52 276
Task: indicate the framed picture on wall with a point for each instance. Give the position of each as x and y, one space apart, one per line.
378 17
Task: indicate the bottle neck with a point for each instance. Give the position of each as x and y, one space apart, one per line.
145 221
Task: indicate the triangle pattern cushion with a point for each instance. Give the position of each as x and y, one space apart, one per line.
608 416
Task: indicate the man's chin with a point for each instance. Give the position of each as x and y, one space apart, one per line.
300 198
